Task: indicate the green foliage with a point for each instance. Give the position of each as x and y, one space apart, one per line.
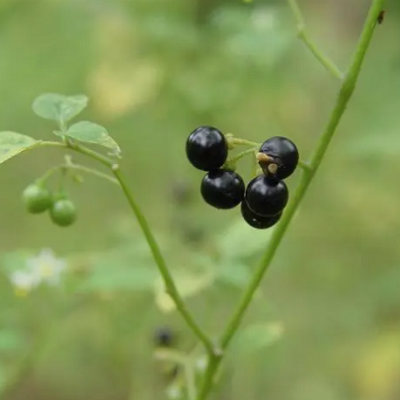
256 337
89 132
148 66
59 108
12 144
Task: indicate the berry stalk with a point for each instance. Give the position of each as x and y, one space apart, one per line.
345 94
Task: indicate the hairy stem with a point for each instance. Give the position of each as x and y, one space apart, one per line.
345 93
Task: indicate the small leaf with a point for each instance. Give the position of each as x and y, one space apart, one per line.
12 143
241 241
90 132
234 273
59 108
188 285
256 337
110 279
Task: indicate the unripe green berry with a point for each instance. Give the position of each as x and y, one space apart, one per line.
37 198
63 212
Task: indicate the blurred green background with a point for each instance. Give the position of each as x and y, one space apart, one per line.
325 324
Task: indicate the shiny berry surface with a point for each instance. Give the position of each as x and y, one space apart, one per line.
222 189
206 148
284 154
266 197
258 221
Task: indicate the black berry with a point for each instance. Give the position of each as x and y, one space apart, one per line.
258 221
164 337
266 197
283 157
222 189
206 148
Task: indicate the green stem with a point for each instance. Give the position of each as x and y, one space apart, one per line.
76 167
243 142
345 94
231 162
305 166
303 35
170 286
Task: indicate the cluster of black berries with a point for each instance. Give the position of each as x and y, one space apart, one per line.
265 197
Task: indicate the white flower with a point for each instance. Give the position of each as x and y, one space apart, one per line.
24 282
46 266
174 392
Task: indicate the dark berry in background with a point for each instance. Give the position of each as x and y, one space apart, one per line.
266 197
164 337
285 155
222 189
258 221
206 148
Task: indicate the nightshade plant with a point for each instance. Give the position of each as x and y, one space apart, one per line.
75 138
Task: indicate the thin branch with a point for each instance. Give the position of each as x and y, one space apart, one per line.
170 286
339 108
310 44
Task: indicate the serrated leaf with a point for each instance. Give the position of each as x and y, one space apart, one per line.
256 337
59 108
90 132
12 143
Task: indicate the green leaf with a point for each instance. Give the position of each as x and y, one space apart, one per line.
235 273
256 337
188 284
10 340
90 132
59 108
12 143
109 279
241 241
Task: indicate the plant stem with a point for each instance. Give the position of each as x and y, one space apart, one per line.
309 43
231 162
305 166
244 142
77 167
170 286
345 94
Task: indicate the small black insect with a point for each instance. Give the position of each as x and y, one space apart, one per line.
381 16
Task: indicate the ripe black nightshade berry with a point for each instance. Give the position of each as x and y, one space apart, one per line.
206 148
222 189
164 337
266 197
283 157
258 221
